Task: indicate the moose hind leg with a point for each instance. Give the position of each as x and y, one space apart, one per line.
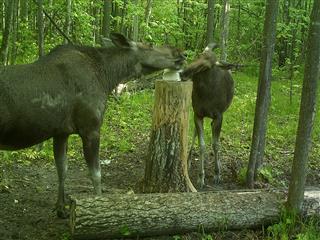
60 157
216 129
91 142
200 132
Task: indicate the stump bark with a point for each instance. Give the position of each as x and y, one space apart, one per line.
166 163
123 215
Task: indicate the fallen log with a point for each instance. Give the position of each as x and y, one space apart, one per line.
123 215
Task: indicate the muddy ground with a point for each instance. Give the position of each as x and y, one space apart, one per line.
28 193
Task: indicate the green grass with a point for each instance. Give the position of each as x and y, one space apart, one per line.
128 122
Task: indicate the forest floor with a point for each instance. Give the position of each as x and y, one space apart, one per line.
28 179
29 191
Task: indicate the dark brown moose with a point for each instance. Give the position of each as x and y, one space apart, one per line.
212 93
65 93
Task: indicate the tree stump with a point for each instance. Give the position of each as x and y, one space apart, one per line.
166 165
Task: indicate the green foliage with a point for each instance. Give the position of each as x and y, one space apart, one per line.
65 236
124 231
122 130
242 175
180 23
291 226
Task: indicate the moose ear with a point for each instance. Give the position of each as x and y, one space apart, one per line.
120 41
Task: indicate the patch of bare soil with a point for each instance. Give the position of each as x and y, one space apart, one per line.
28 193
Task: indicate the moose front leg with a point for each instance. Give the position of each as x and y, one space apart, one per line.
200 132
60 157
91 142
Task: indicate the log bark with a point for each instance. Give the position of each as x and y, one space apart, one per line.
124 215
166 164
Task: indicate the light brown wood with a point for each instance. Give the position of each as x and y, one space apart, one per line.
166 164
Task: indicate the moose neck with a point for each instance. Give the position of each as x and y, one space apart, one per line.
117 66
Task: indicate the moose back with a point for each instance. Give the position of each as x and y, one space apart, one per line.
65 93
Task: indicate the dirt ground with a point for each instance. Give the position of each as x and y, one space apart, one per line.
28 193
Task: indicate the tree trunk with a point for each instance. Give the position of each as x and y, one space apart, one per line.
137 215
224 29
95 22
68 20
263 94
210 21
166 165
7 29
106 26
15 25
123 14
40 28
147 13
307 112
2 15
239 22
135 25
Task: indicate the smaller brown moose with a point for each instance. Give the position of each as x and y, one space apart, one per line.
212 94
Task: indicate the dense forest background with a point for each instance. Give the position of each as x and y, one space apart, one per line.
31 28
177 22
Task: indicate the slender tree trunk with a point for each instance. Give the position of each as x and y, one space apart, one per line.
68 20
239 22
292 55
148 11
224 29
185 6
135 23
116 13
15 25
2 10
303 33
123 14
40 25
95 21
263 93
106 25
307 112
210 21
6 32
